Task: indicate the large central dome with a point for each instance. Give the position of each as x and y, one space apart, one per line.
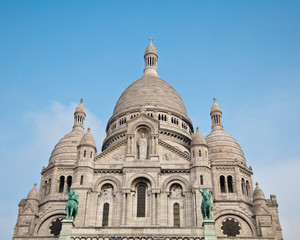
154 97
150 92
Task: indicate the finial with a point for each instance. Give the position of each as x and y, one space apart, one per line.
215 99
81 100
35 184
197 129
256 184
89 129
151 39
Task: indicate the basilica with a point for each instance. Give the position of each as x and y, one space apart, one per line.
144 183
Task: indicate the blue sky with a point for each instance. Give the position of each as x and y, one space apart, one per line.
246 53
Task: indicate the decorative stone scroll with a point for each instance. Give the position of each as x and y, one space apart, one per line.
117 156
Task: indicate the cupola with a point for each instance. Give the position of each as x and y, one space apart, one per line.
150 58
33 194
258 195
216 116
79 116
198 139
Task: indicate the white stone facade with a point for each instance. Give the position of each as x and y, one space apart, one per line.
144 183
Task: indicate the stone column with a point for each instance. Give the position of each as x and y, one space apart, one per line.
195 210
154 141
129 209
130 147
153 222
226 185
123 222
189 209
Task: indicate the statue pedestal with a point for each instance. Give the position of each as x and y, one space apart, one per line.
209 230
66 229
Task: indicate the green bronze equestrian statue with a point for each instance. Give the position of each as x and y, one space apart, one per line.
206 205
72 204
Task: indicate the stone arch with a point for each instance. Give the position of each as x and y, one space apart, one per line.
141 175
237 213
46 217
143 120
107 179
176 179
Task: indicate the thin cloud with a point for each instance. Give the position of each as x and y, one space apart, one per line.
44 129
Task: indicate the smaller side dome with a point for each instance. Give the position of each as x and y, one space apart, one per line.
34 193
80 108
258 194
198 139
88 139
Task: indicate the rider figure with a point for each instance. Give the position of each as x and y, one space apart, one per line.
206 205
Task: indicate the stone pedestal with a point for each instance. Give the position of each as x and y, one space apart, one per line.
209 230
66 230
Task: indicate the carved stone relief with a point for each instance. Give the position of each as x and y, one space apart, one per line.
117 156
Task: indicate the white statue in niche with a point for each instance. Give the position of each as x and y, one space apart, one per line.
142 143
176 192
108 191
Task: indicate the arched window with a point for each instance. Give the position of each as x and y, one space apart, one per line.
69 181
242 185
81 180
91 154
201 180
205 153
49 186
105 215
199 153
193 153
222 184
141 203
229 182
61 184
247 188
176 213
84 153
45 186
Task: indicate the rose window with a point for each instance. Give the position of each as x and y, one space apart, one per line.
230 227
55 226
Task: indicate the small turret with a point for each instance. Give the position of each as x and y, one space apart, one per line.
199 158
216 116
87 146
262 213
86 152
258 196
199 148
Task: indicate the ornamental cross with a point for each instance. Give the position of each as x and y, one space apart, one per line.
151 39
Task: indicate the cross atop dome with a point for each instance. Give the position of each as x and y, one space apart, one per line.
151 39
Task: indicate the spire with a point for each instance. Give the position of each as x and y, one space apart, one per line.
150 58
216 116
79 116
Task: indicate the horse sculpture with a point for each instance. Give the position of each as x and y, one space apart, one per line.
206 205
72 204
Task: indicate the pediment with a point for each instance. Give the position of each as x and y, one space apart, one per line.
28 210
261 210
170 153
115 153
